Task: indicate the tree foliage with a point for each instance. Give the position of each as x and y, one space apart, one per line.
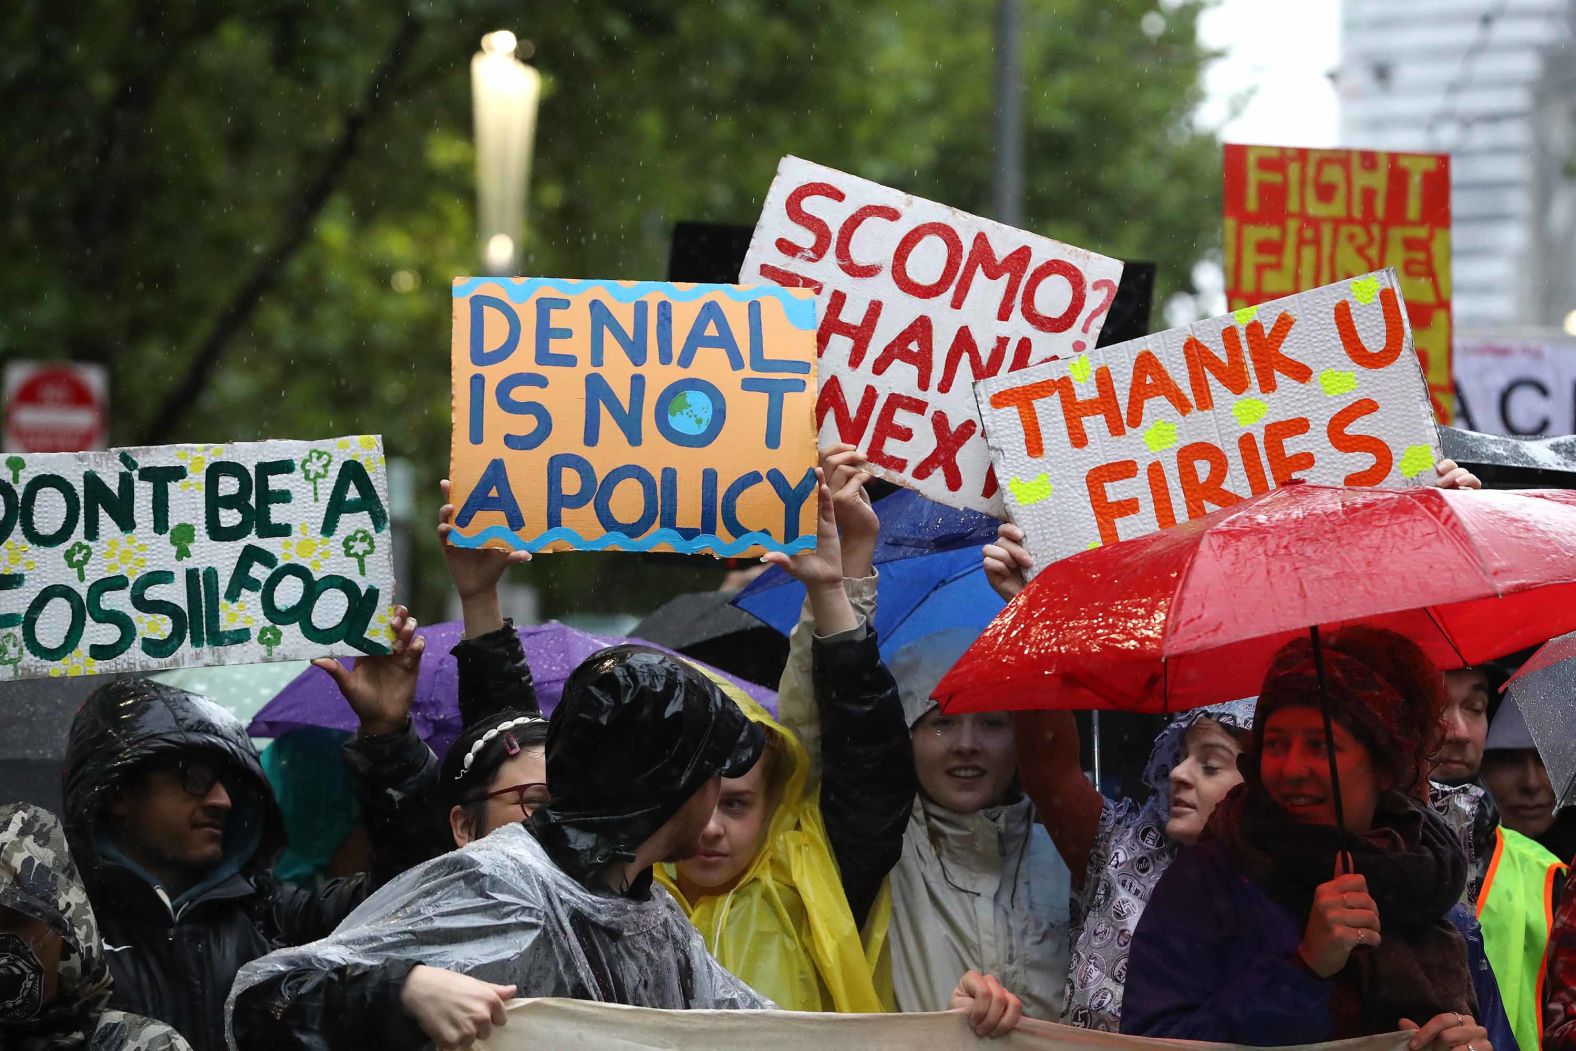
236 184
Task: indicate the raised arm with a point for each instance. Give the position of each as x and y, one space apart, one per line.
1047 742
1067 804
868 783
393 771
857 528
493 672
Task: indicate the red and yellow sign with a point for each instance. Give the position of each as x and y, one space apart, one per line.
1297 219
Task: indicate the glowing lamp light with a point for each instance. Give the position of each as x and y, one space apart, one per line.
505 93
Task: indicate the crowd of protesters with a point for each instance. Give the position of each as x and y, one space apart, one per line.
664 841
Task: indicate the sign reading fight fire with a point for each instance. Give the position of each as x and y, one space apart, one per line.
178 555
595 415
918 301
1298 219
1126 439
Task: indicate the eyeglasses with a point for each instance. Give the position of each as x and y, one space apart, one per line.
198 776
527 796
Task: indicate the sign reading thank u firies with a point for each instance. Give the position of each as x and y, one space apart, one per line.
633 416
168 556
1123 440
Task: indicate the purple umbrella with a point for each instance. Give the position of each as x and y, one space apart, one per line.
552 649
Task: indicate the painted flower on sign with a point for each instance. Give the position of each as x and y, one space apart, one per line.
314 468
306 548
125 554
358 545
270 638
77 557
10 649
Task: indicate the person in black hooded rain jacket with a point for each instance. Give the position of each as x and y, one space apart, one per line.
174 828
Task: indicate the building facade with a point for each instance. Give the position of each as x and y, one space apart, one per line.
1492 83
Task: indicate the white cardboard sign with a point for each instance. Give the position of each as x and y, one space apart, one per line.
179 555
1126 439
917 301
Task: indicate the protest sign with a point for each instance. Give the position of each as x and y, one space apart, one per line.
1298 219
1519 384
1126 439
583 1023
177 555
918 301
595 415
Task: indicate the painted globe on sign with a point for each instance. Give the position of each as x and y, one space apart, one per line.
690 412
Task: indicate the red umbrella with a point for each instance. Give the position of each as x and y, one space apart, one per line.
1191 615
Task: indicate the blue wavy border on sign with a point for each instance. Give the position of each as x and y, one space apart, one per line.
703 542
800 311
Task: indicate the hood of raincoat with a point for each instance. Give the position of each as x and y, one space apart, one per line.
919 666
984 891
499 909
130 722
39 880
637 733
758 928
1130 854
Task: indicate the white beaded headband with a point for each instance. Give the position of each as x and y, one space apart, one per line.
481 742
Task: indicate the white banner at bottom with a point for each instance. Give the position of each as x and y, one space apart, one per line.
570 1024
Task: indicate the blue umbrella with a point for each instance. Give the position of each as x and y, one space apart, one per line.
931 578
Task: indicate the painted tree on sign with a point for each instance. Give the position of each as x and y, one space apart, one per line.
270 637
314 468
10 650
358 545
182 537
77 556
14 464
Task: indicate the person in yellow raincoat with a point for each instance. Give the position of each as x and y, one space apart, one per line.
789 887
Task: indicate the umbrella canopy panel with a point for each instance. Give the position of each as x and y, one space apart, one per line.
1191 615
552 650
1545 692
707 626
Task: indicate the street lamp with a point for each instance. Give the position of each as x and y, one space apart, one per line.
505 92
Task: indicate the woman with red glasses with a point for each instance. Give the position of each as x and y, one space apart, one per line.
495 774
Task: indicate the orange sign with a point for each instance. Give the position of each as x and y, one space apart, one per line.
637 416
1297 219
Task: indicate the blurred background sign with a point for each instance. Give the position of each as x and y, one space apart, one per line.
55 406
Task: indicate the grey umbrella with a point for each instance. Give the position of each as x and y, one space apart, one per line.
1513 463
1545 692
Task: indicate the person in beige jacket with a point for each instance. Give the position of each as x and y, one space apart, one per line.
979 885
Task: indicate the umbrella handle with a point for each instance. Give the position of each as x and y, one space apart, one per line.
1329 748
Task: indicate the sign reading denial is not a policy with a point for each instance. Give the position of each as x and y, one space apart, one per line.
594 415
179 555
918 301
1123 440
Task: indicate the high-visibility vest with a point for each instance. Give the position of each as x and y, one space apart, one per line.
1516 910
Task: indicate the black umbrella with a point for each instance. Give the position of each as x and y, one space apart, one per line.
35 717
703 625
1545 692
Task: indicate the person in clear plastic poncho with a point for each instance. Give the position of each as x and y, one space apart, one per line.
561 905
788 885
